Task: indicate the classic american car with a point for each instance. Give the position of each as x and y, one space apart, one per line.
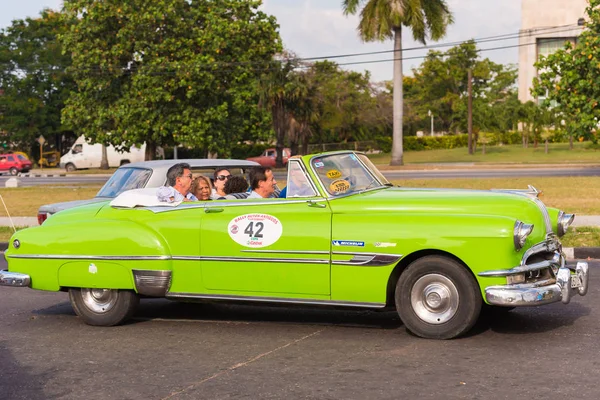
343 236
268 157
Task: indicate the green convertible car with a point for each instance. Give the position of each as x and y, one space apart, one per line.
342 236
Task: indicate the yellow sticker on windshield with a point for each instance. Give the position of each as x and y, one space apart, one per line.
339 186
333 174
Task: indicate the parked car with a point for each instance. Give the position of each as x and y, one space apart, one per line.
151 174
13 163
343 237
267 158
86 155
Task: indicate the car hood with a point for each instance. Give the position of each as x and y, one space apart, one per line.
56 207
445 201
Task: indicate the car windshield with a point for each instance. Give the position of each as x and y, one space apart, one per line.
125 179
347 173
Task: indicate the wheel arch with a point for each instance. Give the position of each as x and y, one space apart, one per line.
407 260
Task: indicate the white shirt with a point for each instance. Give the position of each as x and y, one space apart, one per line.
254 195
169 194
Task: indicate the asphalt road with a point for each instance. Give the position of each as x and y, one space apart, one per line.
217 351
471 172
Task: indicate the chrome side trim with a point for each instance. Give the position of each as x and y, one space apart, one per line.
84 257
367 259
284 252
253 259
230 203
274 300
152 282
14 279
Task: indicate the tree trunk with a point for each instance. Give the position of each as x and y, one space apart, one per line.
150 150
397 150
280 126
104 161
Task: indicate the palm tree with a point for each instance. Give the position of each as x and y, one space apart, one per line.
383 19
282 91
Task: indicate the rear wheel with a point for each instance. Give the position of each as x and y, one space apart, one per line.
13 171
103 307
437 298
70 167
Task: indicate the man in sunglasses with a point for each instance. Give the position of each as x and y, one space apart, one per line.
179 181
221 176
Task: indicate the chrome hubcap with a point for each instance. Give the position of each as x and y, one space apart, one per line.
99 300
434 298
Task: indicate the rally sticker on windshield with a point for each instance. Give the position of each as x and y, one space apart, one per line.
339 186
333 174
255 230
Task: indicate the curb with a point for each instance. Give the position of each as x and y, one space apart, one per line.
28 175
572 253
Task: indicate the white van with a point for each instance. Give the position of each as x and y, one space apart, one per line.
86 155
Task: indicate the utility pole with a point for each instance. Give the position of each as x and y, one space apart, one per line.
470 111
431 115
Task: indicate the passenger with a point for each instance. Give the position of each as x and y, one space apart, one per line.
236 187
220 176
262 182
298 185
179 181
201 188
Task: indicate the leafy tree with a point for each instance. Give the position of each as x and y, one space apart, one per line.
284 92
168 71
344 100
570 78
384 19
440 84
33 84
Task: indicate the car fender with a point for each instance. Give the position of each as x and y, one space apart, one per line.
78 253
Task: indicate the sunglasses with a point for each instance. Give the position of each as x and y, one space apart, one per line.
223 177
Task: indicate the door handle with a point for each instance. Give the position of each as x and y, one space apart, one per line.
312 203
211 210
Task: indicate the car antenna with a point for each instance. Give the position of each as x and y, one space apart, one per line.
7 213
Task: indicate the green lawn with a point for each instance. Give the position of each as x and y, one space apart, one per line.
558 153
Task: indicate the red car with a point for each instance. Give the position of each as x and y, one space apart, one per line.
14 163
267 158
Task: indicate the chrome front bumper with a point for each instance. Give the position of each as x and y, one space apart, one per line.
14 279
569 282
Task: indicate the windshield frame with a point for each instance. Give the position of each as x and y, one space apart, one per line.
377 176
98 195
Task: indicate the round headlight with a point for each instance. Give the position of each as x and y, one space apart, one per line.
521 232
564 221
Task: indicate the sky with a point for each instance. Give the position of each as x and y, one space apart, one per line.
317 28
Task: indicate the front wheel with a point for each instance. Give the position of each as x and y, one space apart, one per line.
70 167
13 171
103 307
437 298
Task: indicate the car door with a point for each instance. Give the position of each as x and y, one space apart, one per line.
3 163
267 247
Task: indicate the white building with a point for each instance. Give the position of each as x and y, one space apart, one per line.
545 26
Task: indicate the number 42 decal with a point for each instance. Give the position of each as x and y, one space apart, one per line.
250 229
255 230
